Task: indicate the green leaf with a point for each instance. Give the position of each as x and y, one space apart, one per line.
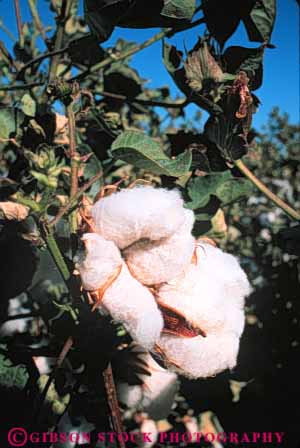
222 185
143 152
10 121
234 189
12 375
28 105
179 9
260 22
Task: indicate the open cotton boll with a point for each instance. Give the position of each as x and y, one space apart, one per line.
126 300
141 212
131 303
200 357
154 262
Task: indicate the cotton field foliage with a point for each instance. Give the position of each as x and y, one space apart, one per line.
145 262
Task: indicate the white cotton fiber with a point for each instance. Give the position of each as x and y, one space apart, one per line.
127 300
142 212
131 303
154 262
200 357
101 260
209 294
156 395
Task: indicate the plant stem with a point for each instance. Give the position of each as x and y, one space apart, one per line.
112 399
166 104
9 87
19 23
7 31
65 350
55 252
74 163
74 199
265 190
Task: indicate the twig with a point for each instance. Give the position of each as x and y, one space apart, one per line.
65 13
167 32
7 31
65 350
166 104
37 20
113 402
74 162
49 54
20 86
19 22
40 58
265 190
74 199
55 252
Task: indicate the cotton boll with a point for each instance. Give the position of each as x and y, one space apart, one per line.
132 304
200 357
154 262
138 213
101 260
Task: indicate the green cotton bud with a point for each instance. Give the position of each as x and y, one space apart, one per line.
44 179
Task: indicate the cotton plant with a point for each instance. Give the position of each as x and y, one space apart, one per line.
179 298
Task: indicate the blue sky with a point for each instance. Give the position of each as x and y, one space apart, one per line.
281 86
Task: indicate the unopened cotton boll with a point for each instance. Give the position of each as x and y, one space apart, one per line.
126 300
154 262
142 212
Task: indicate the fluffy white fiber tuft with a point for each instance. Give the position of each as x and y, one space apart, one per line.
132 303
211 296
200 357
154 262
127 300
102 258
157 394
138 213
